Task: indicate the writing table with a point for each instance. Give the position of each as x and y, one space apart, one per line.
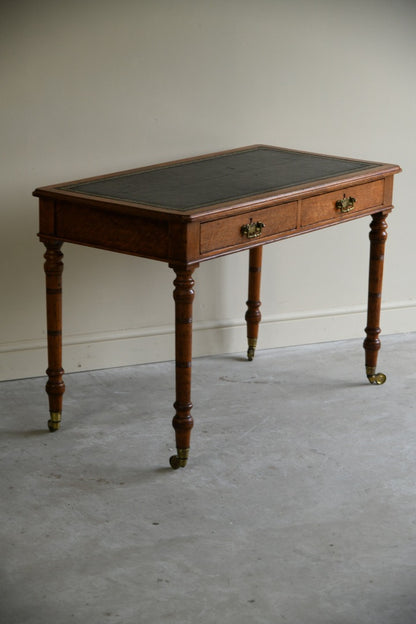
189 211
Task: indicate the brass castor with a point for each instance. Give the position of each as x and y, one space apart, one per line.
375 378
179 460
252 344
175 462
54 422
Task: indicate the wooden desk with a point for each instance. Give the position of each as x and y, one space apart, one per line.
192 210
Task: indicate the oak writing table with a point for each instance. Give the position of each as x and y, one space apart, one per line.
192 210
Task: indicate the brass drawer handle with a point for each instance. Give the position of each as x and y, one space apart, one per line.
346 204
252 230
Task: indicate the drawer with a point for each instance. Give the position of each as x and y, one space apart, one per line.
226 232
324 207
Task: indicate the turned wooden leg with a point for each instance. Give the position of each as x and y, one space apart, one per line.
378 237
183 421
253 314
55 386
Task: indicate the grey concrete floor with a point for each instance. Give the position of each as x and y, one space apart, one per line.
298 504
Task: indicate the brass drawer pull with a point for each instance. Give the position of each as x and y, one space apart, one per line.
252 230
346 204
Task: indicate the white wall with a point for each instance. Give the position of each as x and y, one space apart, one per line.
94 86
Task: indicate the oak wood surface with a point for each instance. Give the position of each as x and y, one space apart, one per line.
253 314
378 237
55 386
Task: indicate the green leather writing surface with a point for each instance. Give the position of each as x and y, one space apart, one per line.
213 180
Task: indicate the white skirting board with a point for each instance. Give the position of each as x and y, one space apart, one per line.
156 344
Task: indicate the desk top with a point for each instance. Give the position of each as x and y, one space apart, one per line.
229 177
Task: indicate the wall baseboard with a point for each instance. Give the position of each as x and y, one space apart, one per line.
156 344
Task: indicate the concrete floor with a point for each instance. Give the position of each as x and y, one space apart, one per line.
298 504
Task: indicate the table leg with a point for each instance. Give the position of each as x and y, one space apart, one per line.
183 421
253 314
378 237
55 386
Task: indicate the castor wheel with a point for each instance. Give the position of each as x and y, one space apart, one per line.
179 460
250 353
175 462
252 343
375 378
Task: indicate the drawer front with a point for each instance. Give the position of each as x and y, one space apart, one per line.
324 207
227 232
